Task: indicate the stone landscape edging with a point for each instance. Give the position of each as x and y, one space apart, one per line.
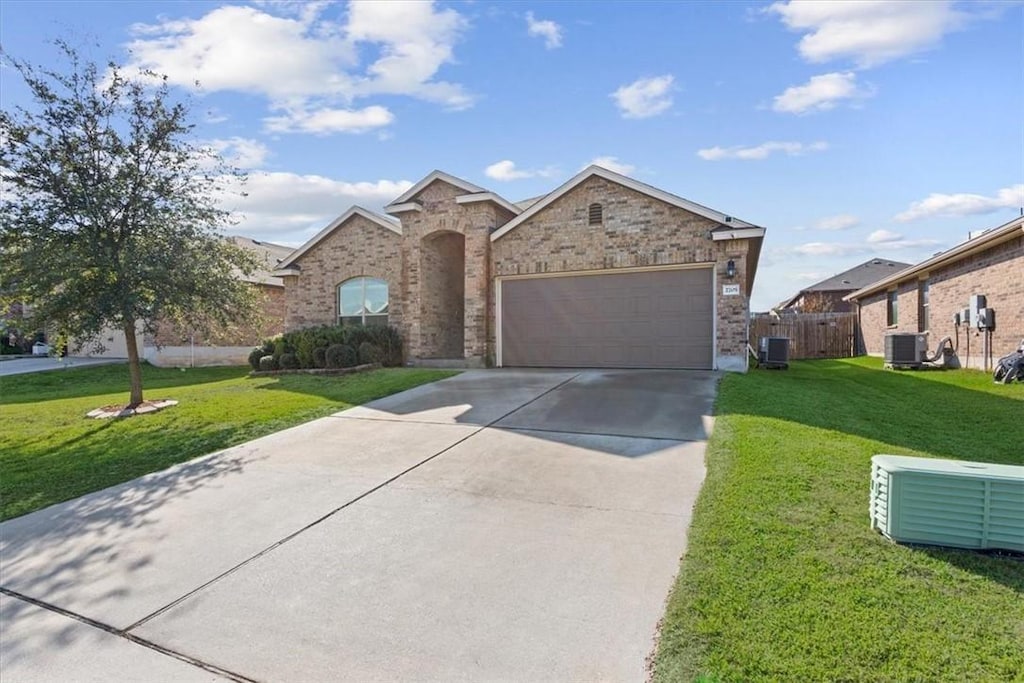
365 367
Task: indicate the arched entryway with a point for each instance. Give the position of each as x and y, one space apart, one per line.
443 295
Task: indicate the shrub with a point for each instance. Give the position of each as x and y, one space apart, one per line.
341 356
304 351
288 361
280 348
254 358
268 363
319 357
370 353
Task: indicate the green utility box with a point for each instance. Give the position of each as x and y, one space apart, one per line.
974 505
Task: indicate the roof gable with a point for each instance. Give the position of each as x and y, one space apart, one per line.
727 222
334 225
434 176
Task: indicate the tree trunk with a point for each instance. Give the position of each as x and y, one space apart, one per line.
134 366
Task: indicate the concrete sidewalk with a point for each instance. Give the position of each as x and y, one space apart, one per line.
21 366
498 525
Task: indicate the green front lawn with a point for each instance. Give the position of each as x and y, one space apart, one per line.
50 452
785 580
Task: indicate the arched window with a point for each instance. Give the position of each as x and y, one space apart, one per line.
363 301
596 214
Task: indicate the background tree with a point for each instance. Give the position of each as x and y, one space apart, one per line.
108 216
817 302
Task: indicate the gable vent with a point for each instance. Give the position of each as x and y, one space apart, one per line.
596 214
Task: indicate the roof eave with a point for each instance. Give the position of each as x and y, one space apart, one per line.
1003 233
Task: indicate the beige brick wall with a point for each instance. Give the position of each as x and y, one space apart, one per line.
270 323
474 222
358 248
998 273
638 230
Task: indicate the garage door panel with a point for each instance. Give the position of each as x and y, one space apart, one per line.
639 319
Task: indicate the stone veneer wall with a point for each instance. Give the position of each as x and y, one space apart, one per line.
638 230
998 273
358 248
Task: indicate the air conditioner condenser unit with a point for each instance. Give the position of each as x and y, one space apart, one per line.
905 350
774 352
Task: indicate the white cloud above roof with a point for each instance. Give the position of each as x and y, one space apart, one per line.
938 205
762 151
315 70
330 120
820 93
612 164
645 97
506 170
843 221
868 33
884 236
549 30
290 208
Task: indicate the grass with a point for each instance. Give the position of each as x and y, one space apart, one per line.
784 579
49 452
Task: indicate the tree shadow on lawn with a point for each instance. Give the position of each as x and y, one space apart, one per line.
106 379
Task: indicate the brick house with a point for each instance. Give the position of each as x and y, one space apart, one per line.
925 297
604 271
169 346
828 295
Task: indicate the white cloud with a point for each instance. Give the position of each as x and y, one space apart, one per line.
290 208
882 239
315 64
612 164
645 97
870 33
963 204
506 170
820 93
328 120
843 221
239 152
882 236
550 31
761 151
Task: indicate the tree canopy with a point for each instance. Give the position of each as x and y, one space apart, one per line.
109 214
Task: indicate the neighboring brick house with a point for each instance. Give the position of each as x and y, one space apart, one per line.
925 297
604 271
828 295
171 346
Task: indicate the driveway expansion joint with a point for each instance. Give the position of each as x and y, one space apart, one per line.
123 633
333 512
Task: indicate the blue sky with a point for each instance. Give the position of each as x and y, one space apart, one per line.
848 129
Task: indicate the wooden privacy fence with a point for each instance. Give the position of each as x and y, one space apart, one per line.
811 335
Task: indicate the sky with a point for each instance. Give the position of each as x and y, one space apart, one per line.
850 130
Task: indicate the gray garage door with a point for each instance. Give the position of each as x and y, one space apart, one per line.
654 319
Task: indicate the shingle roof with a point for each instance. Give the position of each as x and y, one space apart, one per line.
859 276
268 255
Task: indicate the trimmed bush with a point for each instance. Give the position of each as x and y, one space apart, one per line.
254 358
370 353
304 352
304 343
319 357
280 348
288 361
268 363
341 356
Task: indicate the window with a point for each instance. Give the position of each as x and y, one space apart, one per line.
922 306
363 301
596 214
892 316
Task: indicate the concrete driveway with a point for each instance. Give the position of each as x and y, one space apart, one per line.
496 526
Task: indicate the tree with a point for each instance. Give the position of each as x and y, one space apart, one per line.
108 214
817 302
